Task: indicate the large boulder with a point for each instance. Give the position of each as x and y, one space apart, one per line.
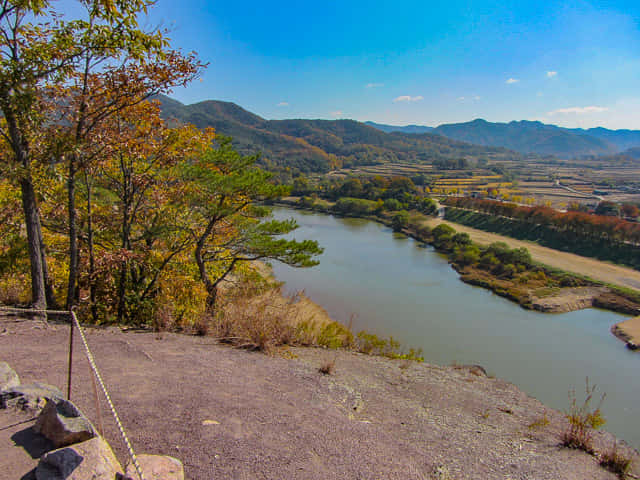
90 460
8 377
156 467
33 396
64 424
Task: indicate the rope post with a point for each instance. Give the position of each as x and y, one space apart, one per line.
74 323
71 328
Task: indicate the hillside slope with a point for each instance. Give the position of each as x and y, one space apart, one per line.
319 145
531 137
622 139
527 137
401 128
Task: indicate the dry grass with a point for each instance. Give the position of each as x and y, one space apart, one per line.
583 420
328 367
266 320
539 423
616 462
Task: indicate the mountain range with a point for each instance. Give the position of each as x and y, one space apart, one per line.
531 137
319 145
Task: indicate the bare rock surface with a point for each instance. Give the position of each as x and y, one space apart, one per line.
568 299
90 460
230 414
156 467
8 377
61 422
32 397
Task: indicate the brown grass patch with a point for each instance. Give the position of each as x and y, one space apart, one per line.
266 320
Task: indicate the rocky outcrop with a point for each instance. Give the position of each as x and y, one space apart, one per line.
92 459
567 300
477 370
64 424
157 467
8 377
33 396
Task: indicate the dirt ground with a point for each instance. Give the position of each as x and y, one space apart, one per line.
629 330
603 271
232 414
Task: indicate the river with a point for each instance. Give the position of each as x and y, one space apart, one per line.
394 285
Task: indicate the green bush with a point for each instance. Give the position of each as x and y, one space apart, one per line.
355 206
400 220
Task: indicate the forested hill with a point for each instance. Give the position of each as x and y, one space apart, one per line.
319 145
532 137
528 137
621 139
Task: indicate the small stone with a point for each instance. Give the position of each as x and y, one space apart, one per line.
477 370
33 396
8 377
92 459
156 467
64 424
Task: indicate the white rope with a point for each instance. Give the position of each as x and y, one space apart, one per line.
96 372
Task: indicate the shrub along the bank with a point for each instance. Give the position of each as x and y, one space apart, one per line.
603 237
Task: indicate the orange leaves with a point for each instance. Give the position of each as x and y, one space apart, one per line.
596 226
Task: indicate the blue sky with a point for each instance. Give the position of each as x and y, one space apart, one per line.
424 62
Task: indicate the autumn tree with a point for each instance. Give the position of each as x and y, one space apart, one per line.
223 191
120 66
142 229
35 48
58 80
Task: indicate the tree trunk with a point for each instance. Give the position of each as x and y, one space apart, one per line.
52 303
92 260
121 292
212 297
31 212
212 290
34 241
73 233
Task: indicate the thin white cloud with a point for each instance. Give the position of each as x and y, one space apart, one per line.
476 97
461 99
473 98
551 73
336 113
578 110
511 80
408 98
283 104
539 94
374 85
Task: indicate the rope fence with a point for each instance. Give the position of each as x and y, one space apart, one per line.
75 324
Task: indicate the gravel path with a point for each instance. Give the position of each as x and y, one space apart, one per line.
231 414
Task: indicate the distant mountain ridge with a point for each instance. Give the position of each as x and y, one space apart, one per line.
319 145
402 129
533 137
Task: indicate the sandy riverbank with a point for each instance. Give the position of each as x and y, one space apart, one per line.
629 332
569 262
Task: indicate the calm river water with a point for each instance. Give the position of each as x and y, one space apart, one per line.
396 286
